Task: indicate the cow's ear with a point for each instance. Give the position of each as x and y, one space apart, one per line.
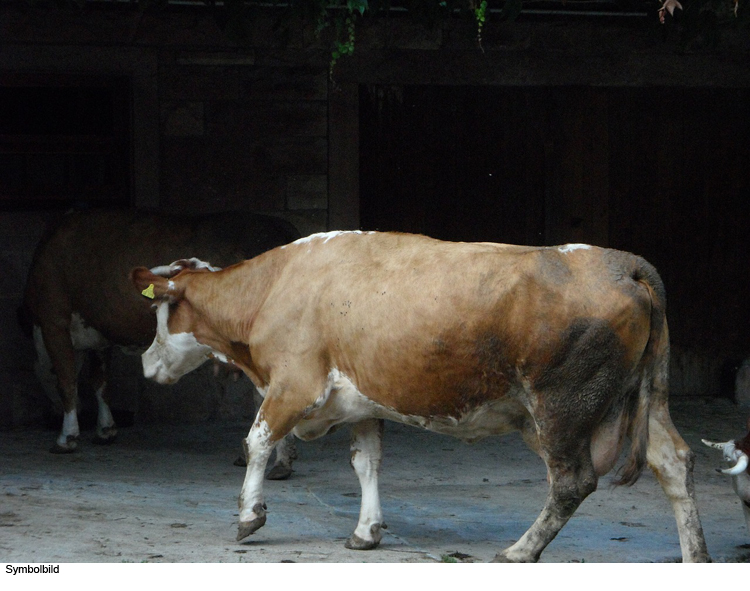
151 286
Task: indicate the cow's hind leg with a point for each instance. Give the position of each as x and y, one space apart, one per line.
106 430
572 479
45 373
286 453
55 340
672 462
366 454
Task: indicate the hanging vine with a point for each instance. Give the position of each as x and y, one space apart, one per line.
345 32
480 13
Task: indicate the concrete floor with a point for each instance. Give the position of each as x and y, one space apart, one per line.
169 494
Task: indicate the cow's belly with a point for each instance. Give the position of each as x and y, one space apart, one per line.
344 403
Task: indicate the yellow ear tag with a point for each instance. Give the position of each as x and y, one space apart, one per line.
149 292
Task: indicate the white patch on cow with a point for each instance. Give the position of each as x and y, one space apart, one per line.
199 264
568 248
572 247
221 357
171 356
84 337
162 270
326 236
344 403
259 449
176 266
70 430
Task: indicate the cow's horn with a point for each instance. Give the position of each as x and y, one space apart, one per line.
739 467
716 445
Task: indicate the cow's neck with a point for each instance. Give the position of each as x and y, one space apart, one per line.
232 297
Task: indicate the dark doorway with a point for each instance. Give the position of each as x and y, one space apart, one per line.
64 139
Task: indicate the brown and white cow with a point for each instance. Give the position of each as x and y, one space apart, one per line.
567 344
737 454
80 298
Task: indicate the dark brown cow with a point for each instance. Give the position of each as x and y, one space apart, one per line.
80 298
567 344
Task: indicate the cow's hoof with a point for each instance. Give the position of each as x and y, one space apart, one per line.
246 528
279 473
240 461
500 557
357 543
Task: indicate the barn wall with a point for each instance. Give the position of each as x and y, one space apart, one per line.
220 123
647 170
215 126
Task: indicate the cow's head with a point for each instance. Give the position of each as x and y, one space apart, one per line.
735 452
175 350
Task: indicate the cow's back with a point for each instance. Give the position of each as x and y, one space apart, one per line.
431 327
82 266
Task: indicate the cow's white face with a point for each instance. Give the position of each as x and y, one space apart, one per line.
171 356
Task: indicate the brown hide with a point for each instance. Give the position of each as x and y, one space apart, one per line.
84 264
569 345
82 267
428 328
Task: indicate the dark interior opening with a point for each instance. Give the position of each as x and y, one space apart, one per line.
64 140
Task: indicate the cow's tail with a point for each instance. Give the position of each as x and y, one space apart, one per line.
654 373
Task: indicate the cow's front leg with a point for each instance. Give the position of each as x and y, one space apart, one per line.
366 453
283 407
67 440
258 447
286 451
